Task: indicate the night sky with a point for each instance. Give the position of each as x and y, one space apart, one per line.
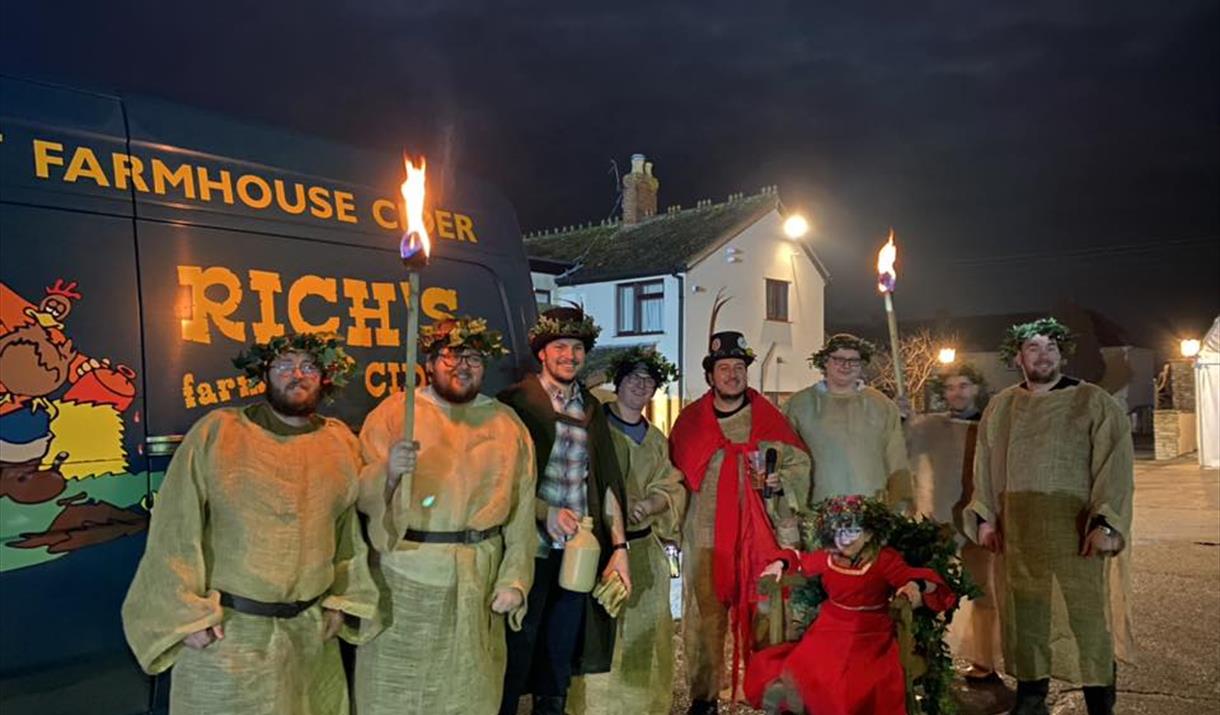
1025 152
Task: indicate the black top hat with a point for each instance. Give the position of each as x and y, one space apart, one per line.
724 345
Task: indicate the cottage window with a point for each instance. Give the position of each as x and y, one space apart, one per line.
777 300
639 307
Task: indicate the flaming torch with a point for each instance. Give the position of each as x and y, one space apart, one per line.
414 249
887 279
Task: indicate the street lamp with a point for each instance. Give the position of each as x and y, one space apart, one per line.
1190 348
796 226
946 356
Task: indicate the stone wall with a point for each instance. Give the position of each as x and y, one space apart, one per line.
1174 433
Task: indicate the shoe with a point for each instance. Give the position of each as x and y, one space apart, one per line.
703 707
978 675
548 705
1031 697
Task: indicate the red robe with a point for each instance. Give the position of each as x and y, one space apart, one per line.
744 540
847 663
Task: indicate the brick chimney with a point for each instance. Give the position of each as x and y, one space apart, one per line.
639 191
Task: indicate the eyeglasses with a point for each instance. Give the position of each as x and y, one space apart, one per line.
845 362
644 381
468 359
284 369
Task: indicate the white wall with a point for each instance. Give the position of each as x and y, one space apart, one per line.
764 253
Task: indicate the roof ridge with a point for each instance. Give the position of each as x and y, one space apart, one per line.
670 212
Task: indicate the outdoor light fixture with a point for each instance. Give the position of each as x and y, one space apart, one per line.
795 226
1190 348
946 355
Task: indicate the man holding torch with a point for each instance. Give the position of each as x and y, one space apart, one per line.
455 541
566 632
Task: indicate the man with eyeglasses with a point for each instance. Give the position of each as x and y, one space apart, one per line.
451 520
641 680
729 525
565 632
254 554
1053 490
853 431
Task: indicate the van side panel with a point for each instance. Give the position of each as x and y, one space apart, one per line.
73 477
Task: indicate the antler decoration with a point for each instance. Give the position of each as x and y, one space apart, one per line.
717 304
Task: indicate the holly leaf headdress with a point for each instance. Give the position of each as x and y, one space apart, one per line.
628 361
464 332
326 349
1016 336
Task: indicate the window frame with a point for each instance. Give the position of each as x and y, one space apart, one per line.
787 291
640 292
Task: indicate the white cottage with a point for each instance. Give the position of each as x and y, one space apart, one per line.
652 279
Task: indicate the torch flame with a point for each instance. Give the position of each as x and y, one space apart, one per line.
887 275
416 244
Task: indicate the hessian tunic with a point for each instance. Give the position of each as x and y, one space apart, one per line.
266 515
443 649
642 673
1046 467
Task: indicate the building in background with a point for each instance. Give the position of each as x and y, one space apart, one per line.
652 278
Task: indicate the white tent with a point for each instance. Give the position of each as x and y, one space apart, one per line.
1207 398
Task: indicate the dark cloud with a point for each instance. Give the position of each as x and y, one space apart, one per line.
1041 130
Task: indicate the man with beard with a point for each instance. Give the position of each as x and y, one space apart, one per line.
254 552
565 632
641 680
452 523
854 432
713 442
941 448
1053 490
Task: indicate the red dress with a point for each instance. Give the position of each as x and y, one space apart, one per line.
847 662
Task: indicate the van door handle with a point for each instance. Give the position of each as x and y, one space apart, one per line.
163 445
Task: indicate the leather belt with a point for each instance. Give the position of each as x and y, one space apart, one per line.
633 535
251 607
845 607
467 536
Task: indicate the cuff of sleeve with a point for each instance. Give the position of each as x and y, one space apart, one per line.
165 650
356 633
515 617
971 515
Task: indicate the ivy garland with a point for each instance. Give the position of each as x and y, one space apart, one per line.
326 349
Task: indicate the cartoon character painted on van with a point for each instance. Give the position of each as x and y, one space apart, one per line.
63 464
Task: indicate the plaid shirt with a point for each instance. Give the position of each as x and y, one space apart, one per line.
562 483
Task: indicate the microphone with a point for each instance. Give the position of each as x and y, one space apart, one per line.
771 461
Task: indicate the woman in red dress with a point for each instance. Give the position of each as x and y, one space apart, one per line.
847 663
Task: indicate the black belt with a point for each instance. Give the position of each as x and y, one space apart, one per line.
267 610
468 536
633 535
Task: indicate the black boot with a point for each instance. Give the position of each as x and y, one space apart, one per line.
1099 699
1031 697
548 704
703 707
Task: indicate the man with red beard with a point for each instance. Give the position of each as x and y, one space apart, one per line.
715 442
452 523
1053 488
254 552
